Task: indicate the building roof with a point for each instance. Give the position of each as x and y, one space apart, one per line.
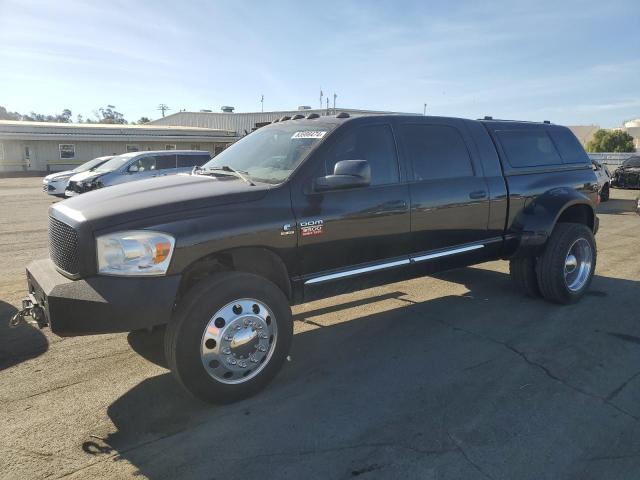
245 122
584 132
21 130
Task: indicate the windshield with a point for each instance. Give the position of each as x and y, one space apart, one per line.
270 154
91 164
631 162
116 162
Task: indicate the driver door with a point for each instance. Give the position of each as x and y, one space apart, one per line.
342 232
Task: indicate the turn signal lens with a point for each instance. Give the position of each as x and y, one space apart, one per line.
163 250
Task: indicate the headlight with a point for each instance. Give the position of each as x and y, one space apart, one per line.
137 252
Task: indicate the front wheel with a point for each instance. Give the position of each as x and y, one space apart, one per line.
565 269
229 336
604 194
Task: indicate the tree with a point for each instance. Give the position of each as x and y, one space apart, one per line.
65 116
109 114
143 120
610 141
6 115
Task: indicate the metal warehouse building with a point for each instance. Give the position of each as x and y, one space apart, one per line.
243 123
43 146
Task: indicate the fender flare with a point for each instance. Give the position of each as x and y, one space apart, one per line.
535 223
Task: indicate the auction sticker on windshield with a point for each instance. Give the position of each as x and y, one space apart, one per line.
309 134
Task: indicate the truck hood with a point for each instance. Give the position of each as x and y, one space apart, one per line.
142 199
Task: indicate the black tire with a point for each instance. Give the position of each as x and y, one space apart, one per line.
550 267
604 194
523 276
184 335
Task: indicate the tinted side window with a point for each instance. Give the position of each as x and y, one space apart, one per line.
164 162
528 148
568 145
202 159
436 151
192 160
144 164
373 143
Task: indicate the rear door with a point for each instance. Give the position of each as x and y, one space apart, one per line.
449 195
165 164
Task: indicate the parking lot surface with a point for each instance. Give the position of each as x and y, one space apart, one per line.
449 377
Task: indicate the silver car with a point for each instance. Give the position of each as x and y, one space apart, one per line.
604 180
56 183
130 167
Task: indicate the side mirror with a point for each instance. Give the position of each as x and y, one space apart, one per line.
346 174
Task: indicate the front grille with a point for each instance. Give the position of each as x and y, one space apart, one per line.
63 246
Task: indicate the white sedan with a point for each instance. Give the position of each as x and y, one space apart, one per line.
56 183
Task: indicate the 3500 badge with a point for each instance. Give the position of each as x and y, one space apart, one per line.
311 227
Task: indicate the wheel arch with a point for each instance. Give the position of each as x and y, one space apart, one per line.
260 261
535 223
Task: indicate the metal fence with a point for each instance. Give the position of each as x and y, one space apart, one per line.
613 159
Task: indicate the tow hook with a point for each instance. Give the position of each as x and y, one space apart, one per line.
29 308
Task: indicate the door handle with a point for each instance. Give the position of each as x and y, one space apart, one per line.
478 194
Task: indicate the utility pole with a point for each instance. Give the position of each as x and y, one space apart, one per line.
321 97
425 109
327 105
262 103
334 102
163 108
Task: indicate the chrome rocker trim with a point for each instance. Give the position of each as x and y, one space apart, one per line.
396 263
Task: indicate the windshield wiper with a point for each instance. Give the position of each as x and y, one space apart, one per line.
238 173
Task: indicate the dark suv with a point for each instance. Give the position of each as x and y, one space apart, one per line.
307 208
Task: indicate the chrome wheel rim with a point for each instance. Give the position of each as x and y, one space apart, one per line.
238 341
577 265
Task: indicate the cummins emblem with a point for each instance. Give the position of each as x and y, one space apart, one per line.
311 227
287 229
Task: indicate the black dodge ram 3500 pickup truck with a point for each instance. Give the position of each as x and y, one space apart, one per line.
307 208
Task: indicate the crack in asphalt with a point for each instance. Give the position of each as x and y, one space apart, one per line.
462 452
60 387
543 368
614 457
622 386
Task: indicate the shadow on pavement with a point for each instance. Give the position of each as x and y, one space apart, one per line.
20 343
149 344
484 385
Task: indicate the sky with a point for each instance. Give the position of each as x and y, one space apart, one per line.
565 61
